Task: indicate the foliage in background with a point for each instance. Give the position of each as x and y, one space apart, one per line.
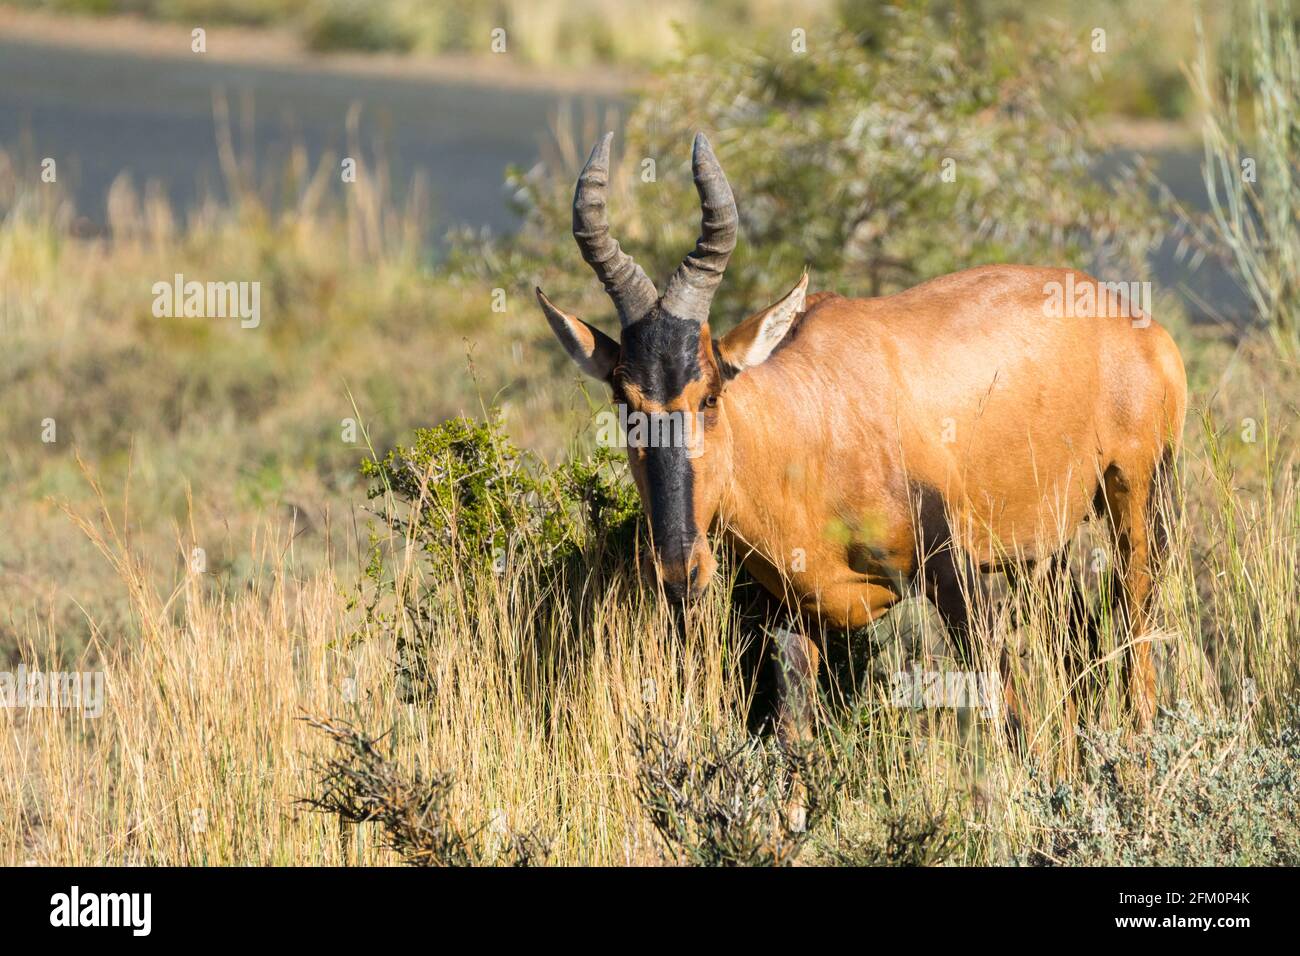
1138 75
532 675
877 165
543 32
1251 135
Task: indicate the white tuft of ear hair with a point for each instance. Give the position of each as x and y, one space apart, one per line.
754 340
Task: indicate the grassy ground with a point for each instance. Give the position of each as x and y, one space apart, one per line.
531 704
232 441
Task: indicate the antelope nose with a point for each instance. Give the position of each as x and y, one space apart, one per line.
680 567
678 590
674 591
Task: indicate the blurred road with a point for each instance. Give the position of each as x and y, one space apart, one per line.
101 113
1208 291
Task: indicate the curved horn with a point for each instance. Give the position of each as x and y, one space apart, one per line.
691 288
631 289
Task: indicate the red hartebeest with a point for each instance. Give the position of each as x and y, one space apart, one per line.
950 428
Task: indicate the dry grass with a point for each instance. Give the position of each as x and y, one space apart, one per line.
221 682
201 755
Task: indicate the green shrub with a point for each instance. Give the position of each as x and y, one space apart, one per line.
463 491
877 165
1251 131
355 25
483 520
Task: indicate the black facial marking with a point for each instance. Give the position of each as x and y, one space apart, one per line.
660 357
661 354
671 484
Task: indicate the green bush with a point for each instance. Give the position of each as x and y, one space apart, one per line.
879 165
485 519
355 25
463 492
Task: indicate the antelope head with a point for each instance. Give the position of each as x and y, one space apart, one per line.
667 372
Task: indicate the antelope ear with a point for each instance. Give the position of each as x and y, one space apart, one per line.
594 351
752 341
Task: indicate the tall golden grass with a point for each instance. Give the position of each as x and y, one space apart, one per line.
201 757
